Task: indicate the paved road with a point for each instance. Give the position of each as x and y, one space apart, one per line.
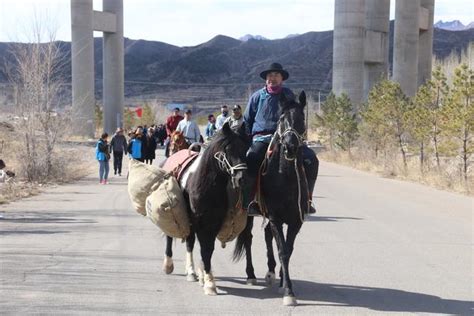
376 246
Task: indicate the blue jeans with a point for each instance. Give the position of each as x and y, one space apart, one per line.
103 169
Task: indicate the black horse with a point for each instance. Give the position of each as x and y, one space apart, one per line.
209 184
285 195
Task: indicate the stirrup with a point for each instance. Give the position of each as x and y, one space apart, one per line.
311 209
254 209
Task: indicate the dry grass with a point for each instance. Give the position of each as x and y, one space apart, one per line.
15 190
390 165
71 161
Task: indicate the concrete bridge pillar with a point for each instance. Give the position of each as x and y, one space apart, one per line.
84 22
348 49
376 43
82 60
405 46
361 36
413 43
113 68
426 41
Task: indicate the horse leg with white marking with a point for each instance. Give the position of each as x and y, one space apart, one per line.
168 265
285 248
190 271
271 263
207 248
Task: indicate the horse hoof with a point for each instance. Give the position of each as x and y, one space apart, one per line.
270 278
251 281
168 269
192 277
168 266
210 290
289 301
200 278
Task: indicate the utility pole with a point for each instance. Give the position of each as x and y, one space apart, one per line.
319 101
307 120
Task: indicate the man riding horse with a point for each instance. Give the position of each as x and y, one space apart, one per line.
261 120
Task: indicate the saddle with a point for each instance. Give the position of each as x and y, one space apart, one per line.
177 163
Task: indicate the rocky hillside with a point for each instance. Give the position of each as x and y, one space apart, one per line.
157 68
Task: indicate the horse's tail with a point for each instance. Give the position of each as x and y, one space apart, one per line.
244 237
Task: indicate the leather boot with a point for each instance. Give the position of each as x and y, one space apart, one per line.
249 202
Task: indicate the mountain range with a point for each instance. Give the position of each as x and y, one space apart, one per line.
225 67
455 25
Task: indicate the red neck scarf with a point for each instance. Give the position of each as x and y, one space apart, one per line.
274 90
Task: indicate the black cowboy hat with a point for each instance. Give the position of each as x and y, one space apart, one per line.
275 67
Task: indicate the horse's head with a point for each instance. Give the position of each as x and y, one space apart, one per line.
229 149
291 126
177 137
177 142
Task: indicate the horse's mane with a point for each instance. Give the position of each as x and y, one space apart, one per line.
208 170
289 105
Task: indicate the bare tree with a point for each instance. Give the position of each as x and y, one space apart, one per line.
35 70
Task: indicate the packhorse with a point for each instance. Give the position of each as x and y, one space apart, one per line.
212 180
284 196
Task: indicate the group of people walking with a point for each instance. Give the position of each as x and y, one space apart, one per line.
190 129
141 146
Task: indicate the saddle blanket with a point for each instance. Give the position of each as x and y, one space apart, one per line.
178 162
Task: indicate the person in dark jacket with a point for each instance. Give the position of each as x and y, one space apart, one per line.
118 145
160 134
149 147
261 119
211 127
102 154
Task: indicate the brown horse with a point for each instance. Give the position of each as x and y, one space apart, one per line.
177 142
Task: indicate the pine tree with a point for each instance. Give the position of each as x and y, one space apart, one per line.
347 125
328 119
385 114
459 114
418 120
439 94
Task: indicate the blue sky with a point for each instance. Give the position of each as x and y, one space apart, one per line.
191 22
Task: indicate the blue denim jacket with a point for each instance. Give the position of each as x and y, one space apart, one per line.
263 111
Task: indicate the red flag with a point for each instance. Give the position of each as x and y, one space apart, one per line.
139 112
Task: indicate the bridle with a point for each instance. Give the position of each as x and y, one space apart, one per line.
278 139
287 131
225 165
